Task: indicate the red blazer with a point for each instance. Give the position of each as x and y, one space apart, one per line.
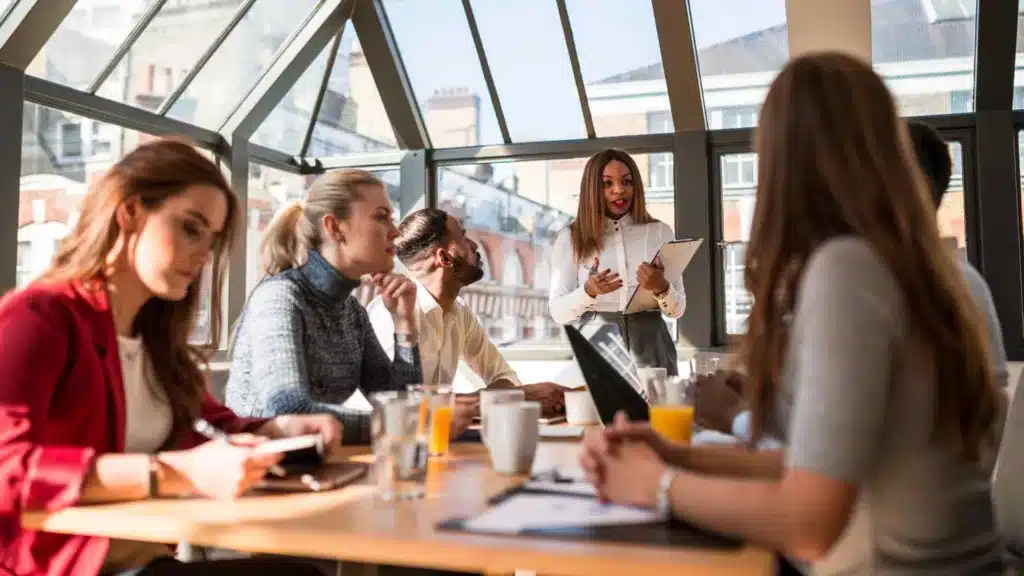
61 405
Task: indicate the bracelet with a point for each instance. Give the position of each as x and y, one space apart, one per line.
664 483
406 339
153 490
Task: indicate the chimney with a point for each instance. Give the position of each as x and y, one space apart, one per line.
453 118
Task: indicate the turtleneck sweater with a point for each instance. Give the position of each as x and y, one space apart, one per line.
304 345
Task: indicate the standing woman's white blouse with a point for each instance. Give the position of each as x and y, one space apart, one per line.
626 246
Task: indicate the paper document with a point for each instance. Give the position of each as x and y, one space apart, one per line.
547 431
578 488
675 257
528 511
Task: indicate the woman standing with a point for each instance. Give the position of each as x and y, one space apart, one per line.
99 385
304 344
601 258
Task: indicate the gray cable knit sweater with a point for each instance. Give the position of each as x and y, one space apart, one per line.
304 345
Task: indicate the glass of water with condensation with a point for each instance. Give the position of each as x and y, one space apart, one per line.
399 429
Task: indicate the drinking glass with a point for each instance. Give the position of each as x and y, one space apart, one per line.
703 365
490 397
672 413
398 429
436 413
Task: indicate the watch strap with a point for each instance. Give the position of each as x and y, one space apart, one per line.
664 484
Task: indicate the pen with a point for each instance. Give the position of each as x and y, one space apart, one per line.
210 431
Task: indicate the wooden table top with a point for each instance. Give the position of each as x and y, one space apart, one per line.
352 524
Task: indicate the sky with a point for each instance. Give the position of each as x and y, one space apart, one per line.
525 47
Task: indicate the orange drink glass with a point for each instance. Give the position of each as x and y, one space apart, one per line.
671 415
436 412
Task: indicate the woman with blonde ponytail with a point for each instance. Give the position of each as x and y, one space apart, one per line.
304 344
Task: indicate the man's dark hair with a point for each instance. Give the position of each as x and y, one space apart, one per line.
933 158
422 230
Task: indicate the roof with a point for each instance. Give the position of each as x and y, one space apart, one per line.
900 31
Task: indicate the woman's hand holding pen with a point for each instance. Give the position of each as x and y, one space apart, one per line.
651 276
601 282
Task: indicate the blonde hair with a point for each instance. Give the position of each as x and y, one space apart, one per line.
295 229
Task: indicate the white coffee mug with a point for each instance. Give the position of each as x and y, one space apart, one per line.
489 398
580 409
512 434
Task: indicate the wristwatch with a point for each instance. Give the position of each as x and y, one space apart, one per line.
664 483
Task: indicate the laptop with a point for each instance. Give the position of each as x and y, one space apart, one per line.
608 388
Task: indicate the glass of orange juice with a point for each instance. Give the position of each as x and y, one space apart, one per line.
436 412
672 414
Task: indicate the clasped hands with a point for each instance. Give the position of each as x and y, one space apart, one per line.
649 275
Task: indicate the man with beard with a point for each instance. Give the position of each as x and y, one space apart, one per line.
442 261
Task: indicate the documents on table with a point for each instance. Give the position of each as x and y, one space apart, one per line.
566 431
527 510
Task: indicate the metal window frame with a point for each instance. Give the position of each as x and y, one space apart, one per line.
485 67
332 57
126 45
577 71
26 27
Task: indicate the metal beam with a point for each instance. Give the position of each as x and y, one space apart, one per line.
577 72
644 143
415 183
368 160
837 25
315 117
125 46
396 93
11 116
994 55
274 159
693 202
61 97
237 160
309 41
26 28
236 18
679 60
481 54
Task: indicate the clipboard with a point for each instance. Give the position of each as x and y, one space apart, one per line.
675 257
670 533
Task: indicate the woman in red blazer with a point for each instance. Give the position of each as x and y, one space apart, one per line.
99 385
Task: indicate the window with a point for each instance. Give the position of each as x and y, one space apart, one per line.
739 171
662 176
514 211
540 101
440 57
951 218
733 117
925 52
741 45
623 86
70 134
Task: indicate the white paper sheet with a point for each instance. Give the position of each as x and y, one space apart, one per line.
581 488
547 431
536 511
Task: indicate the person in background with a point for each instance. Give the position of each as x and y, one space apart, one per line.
606 253
442 261
303 343
863 327
720 405
99 385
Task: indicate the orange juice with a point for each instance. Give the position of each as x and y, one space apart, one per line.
439 430
673 421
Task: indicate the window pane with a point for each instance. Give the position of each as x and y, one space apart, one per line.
85 40
1018 77
513 211
539 100
285 127
351 118
237 64
165 52
4 6
439 55
741 45
625 88
925 52
951 219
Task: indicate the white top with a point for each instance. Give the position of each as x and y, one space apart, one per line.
626 246
147 414
147 426
444 340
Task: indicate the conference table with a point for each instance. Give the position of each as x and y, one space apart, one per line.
353 525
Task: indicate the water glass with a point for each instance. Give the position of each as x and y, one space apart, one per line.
489 397
436 413
703 365
398 429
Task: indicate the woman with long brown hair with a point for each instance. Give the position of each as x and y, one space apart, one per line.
864 352
99 385
606 253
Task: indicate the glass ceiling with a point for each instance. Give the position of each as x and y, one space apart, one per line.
195 60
